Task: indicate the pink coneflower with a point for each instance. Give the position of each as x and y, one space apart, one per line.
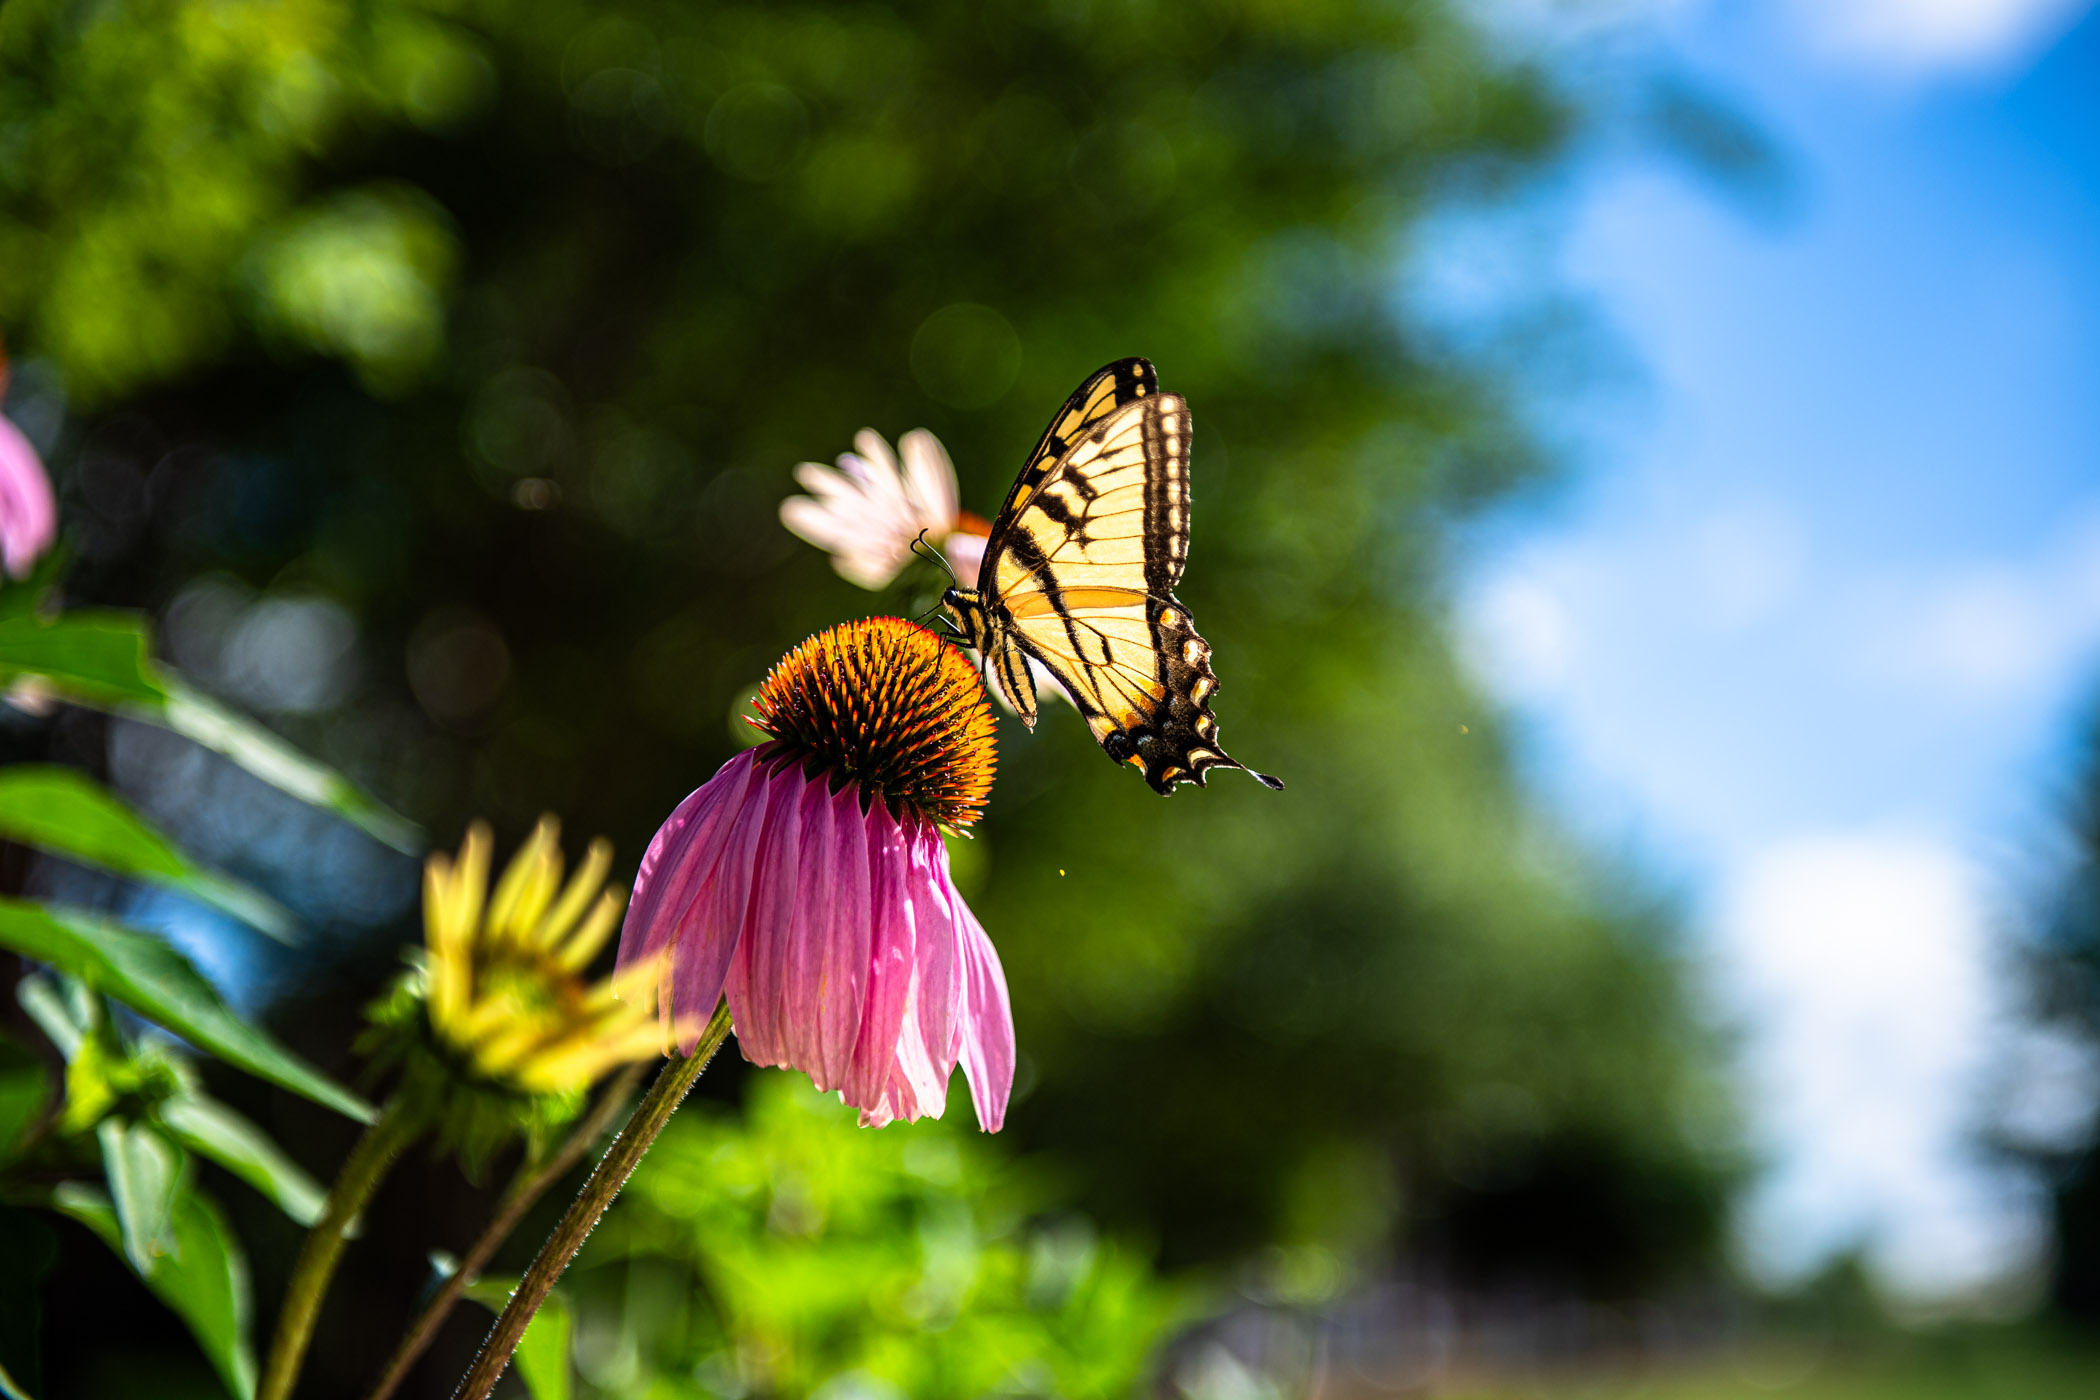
28 514
807 881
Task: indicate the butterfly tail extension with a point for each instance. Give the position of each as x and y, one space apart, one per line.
1179 741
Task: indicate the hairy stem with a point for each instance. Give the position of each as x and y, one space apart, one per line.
605 1182
362 1172
531 1184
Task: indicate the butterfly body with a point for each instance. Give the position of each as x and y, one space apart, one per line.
1079 576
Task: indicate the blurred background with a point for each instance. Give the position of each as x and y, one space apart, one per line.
1645 506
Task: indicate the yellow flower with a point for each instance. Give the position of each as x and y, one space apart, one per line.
506 992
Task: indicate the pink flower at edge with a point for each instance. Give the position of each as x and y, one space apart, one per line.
826 913
28 513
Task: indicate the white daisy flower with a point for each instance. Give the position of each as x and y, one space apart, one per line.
866 513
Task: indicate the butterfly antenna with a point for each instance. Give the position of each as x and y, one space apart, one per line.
920 547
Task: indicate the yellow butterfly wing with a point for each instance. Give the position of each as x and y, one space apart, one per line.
1080 575
1105 390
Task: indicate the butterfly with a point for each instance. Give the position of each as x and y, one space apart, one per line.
1079 576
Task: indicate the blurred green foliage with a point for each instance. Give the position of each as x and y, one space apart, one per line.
2064 967
435 371
787 1252
1957 1363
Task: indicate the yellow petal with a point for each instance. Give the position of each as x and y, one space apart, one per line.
526 887
590 935
589 876
471 879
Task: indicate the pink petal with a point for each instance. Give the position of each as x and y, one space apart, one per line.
890 962
686 888
834 930
28 513
759 984
926 1041
985 1029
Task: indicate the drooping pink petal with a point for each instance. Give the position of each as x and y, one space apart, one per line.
687 884
985 1027
28 513
834 930
926 1041
765 1000
891 953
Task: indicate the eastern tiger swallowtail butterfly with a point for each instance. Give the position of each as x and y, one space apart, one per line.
1079 575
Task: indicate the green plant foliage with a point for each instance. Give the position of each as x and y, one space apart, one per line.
94 657
159 983
204 721
669 250
108 1072
914 1261
542 1358
60 810
200 1273
146 1178
100 660
211 1129
25 1089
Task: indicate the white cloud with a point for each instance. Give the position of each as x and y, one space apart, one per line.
1516 637
1989 631
1916 36
1749 562
1864 965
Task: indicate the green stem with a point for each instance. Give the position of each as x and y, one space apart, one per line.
531 1183
361 1174
605 1182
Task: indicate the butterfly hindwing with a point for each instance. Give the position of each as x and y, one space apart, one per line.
1080 571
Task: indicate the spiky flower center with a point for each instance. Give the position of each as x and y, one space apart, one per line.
889 706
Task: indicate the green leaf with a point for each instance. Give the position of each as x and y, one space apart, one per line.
542 1358
146 1175
65 1025
96 658
202 720
100 660
159 983
213 1130
24 1086
59 810
204 1279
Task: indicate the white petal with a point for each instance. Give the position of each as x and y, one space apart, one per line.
965 553
929 479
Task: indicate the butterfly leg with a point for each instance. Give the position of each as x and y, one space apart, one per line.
1014 679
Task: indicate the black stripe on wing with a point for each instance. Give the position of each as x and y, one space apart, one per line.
1104 391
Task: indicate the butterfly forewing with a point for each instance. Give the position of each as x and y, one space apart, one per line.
1105 390
1112 515
1080 575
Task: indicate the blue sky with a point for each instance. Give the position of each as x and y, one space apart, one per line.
1818 626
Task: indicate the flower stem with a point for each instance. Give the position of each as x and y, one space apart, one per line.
362 1172
605 1182
528 1188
